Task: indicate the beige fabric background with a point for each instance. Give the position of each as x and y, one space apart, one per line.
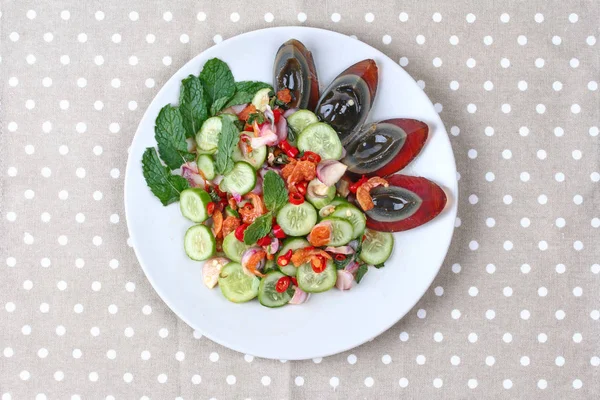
514 312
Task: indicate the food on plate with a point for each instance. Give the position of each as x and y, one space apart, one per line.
291 191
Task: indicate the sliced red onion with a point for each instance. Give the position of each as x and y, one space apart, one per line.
236 196
258 187
330 171
340 250
353 244
274 246
190 172
246 257
211 270
352 267
299 297
270 116
264 171
238 108
217 180
281 129
344 280
266 138
289 112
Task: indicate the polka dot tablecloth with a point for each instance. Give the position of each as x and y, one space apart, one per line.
514 312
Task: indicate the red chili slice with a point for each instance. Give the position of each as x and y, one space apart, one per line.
296 198
318 264
264 241
239 232
282 284
340 257
302 187
278 232
294 280
210 208
311 156
354 187
277 113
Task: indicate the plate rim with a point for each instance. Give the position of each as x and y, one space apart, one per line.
452 207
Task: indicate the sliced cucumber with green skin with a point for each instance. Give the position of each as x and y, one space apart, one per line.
193 204
206 165
313 282
327 210
241 179
353 215
297 220
261 99
318 194
322 139
236 285
207 139
268 295
233 248
341 231
301 119
230 212
256 158
377 247
291 244
270 266
199 243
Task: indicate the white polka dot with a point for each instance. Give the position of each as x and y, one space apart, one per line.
455 360
508 245
488 41
541 154
490 268
437 17
522 40
97 195
471 18
11 261
335 17
573 18
437 383
453 40
542 199
540 108
556 40
595 269
490 222
61 285
560 315
403 382
386 39
473 245
507 384
369 382
472 337
421 313
129 332
595 361
351 359
490 177
559 361
577 384
299 381
81 82
506 108
404 336
575 108
593 131
539 62
539 18
403 61
592 85
386 359
524 362
420 39
265 380
61 330
420 359
167 60
455 314
557 86
214 357
64 59
488 85
522 85
471 108
472 153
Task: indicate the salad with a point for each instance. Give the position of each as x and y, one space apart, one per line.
290 190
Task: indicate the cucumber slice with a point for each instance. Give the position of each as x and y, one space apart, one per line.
261 99
318 194
327 210
256 157
270 266
207 139
291 244
321 139
353 215
236 285
193 203
241 179
341 231
301 119
233 248
297 220
230 212
206 165
199 243
312 282
268 296
377 247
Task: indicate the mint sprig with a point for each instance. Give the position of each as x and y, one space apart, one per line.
170 136
217 79
245 91
258 229
275 193
165 186
192 105
228 139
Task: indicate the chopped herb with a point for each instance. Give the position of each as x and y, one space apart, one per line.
360 273
379 265
257 116
245 91
258 229
341 264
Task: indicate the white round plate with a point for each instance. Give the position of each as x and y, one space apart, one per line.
330 322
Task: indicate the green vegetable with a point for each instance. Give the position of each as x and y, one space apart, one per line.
228 139
192 104
360 273
341 264
274 191
258 116
170 136
245 91
258 229
165 186
218 83
379 265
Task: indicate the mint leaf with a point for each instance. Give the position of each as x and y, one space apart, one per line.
192 105
379 265
165 186
245 91
228 139
218 83
170 136
360 272
274 191
258 229
218 105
